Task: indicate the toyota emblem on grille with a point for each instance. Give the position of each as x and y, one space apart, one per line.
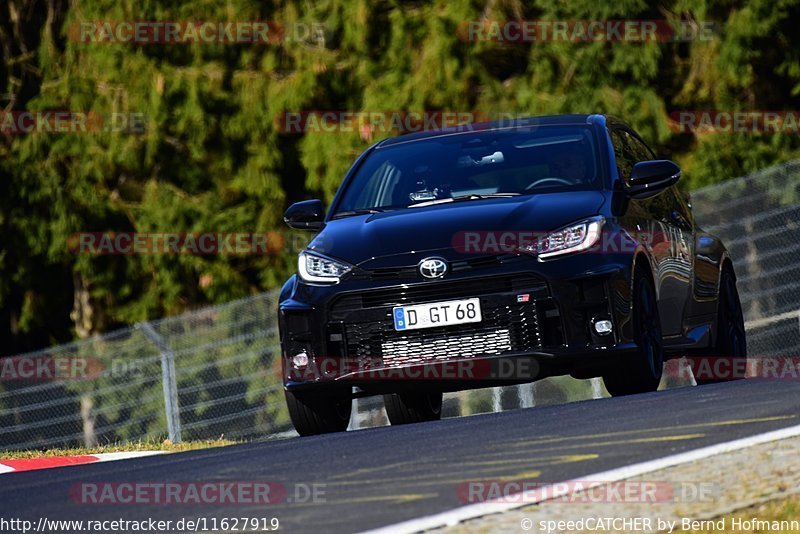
433 267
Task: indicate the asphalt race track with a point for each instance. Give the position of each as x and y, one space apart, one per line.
377 477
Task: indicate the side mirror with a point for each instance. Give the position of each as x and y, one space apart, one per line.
306 215
651 177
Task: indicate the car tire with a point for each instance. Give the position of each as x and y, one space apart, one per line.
405 408
641 372
731 340
318 414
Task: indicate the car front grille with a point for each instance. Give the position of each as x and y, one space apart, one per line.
507 325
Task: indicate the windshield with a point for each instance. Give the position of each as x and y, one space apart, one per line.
472 166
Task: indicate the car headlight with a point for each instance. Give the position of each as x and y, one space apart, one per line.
319 269
573 238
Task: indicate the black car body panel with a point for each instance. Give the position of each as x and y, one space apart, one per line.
544 309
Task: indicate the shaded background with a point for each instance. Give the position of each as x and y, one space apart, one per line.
212 158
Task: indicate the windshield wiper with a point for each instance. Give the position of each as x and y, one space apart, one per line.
462 198
364 211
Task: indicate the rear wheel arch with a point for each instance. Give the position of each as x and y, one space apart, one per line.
726 263
726 267
730 336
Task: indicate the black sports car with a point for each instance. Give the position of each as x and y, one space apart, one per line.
498 254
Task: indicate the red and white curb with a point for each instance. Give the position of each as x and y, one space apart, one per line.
30 464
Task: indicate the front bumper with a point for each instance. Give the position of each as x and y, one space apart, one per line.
536 312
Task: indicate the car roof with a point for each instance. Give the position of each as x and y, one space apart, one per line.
545 120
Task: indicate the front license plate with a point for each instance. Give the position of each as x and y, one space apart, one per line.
437 314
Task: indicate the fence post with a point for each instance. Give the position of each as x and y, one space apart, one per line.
526 395
597 391
355 422
167 380
497 399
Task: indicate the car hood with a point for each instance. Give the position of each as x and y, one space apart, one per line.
402 237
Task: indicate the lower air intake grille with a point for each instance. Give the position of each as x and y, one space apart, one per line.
442 348
505 328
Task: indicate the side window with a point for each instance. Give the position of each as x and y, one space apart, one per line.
623 154
682 204
628 151
639 149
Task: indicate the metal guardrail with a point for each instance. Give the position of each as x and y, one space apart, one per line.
758 218
200 375
215 372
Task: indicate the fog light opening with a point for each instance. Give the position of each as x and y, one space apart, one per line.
300 360
602 327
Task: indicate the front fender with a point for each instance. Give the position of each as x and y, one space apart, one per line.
710 256
287 289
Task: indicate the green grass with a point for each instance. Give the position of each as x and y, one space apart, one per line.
150 445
